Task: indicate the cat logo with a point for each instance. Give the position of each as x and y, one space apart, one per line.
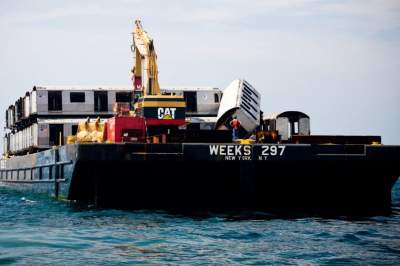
166 113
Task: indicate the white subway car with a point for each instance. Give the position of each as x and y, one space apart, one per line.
200 101
240 100
41 135
37 120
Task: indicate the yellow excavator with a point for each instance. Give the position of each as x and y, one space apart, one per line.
148 101
153 114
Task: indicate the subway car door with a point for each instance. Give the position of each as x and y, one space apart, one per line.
56 134
100 101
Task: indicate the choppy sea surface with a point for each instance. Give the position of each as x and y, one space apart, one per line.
37 230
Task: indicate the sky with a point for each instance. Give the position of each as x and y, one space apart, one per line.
337 61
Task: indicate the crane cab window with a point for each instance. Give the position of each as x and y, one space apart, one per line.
100 101
77 97
54 101
123 97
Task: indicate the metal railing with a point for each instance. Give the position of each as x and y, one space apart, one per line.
8 174
19 175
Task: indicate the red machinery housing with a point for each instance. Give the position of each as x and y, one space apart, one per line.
125 129
136 128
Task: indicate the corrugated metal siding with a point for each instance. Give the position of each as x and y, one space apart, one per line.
304 126
282 126
244 100
26 106
11 114
41 101
35 141
19 143
11 142
33 104
43 135
23 141
83 88
16 112
5 141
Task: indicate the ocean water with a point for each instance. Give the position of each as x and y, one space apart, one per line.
37 230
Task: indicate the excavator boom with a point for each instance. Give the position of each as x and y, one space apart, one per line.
145 70
161 112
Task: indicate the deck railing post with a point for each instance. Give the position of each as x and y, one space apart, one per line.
57 173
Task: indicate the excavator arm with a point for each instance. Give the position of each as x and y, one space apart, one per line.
162 112
145 70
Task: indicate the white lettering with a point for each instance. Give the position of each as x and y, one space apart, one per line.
247 150
167 111
213 149
243 152
265 150
230 150
272 150
160 113
237 150
222 150
282 150
172 112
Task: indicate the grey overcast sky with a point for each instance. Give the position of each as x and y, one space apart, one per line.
337 60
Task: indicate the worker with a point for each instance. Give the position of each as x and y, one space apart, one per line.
235 128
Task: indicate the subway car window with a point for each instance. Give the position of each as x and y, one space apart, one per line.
77 97
54 101
123 97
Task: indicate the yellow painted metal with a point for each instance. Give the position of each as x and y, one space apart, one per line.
146 70
71 139
161 101
154 97
90 131
161 104
245 141
137 69
60 138
145 60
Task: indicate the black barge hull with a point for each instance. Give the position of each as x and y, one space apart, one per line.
216 177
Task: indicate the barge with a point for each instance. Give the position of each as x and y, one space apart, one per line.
173 148
212 176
